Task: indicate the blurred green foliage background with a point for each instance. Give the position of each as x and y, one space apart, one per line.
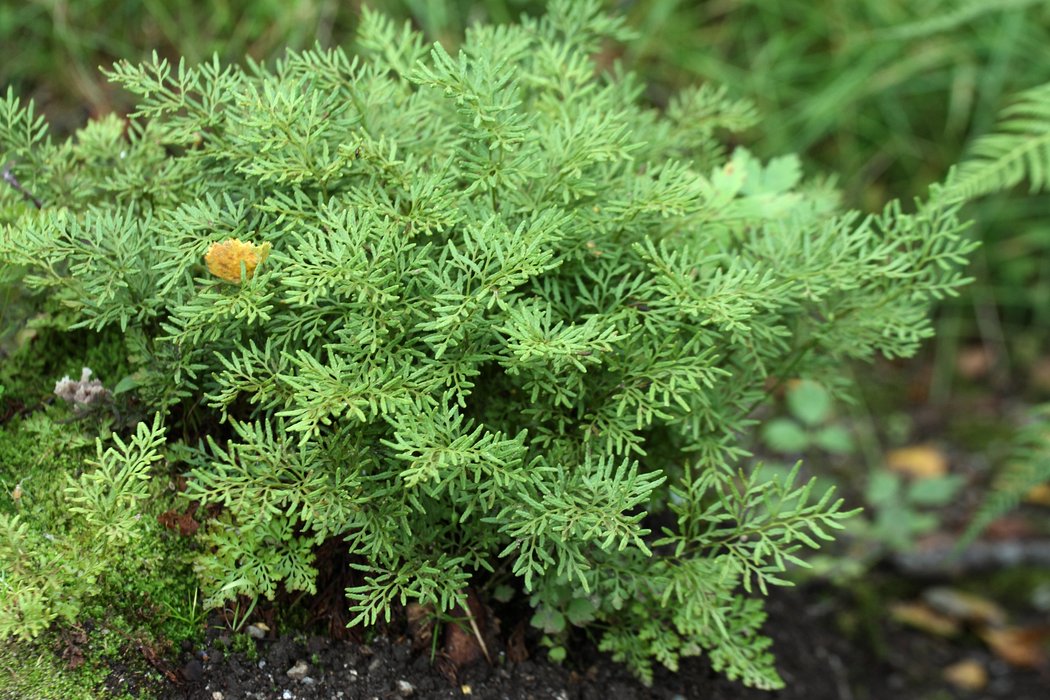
887 93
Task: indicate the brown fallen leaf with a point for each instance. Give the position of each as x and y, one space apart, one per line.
1009 527
974 362
923 617
1018 646
420 624
464 644
516 649
73 642
184 522
920 461
968 674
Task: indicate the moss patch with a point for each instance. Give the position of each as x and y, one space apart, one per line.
80 615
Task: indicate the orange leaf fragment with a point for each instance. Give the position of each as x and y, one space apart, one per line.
1018 646
224 258
920 461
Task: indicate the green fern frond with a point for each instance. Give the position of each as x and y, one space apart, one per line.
1029 466
1018 150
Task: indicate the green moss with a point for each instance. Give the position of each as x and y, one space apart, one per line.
37 455
30 670
141 593
85 662
244 644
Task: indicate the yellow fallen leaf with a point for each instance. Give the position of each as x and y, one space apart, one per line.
920 461
924 617
224 258
968 674
1039 495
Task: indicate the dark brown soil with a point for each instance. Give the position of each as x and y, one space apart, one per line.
816 659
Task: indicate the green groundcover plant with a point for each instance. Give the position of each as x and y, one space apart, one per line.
482 317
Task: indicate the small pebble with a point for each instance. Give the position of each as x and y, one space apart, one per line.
262 663
406 689
299 671
287 695
256 632
216 695
307 680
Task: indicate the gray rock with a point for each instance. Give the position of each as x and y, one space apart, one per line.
299 671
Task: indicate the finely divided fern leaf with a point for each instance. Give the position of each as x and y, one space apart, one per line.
1028 467
1019 149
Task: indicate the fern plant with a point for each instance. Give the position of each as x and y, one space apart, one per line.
481 316
62 547
1028 466
1017 151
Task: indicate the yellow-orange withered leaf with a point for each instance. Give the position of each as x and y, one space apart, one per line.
968 674
1039 495
919 462
224 258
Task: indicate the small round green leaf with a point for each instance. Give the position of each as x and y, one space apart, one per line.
503 593
883 488
580 611
548 620
934 492
785 435
809 402
835 439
